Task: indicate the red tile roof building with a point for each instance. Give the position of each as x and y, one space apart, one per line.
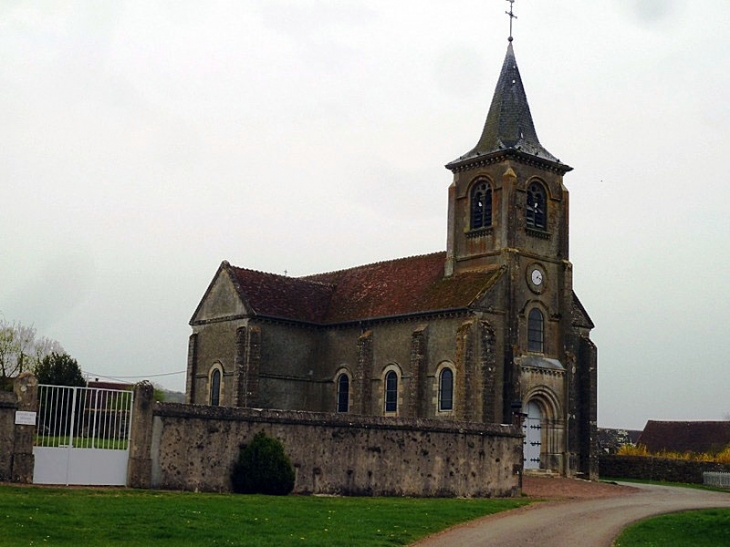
485 329
682 437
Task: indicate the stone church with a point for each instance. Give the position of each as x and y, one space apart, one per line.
489 328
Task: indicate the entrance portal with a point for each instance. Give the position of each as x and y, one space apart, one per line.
532 443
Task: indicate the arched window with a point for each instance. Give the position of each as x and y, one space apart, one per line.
343 393
215 387
481 206
536 207
446 390
535 331
391 392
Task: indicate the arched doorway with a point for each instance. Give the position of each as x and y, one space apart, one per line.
532 442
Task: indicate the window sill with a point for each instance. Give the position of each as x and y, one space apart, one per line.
536 232
479 232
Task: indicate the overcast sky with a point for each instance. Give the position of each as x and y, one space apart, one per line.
142 143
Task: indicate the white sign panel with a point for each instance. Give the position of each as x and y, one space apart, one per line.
23 417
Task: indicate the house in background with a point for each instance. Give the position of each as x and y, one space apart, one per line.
104 395
103 384
489 327
682 437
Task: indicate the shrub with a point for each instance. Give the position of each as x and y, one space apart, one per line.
722 456
59 369
633 450
263 468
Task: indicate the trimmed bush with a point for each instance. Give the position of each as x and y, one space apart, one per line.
263 468
721 456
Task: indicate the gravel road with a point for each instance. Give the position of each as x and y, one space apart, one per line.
575 522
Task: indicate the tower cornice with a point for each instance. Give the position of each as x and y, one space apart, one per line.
475 161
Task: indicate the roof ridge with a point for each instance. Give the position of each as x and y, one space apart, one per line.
308 277
378 263
272 274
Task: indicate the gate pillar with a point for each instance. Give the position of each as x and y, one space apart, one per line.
139 472
25 387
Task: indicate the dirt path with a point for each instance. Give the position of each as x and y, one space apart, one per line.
582 521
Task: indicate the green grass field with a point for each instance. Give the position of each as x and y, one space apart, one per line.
52 516
706 528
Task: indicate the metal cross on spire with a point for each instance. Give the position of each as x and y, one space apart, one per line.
512 16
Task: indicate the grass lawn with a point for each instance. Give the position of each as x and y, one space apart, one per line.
53 516
705 528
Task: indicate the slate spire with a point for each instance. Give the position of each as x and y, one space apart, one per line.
509 125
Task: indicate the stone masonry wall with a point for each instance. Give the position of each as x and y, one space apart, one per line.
193 448
657 469
16 441
8 406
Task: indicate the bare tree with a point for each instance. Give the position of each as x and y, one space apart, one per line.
7 350
20 350
25 336
46 346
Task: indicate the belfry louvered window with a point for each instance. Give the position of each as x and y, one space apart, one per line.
481 206
536 207
535 331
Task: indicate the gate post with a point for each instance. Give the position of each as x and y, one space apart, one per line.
139 471
26 391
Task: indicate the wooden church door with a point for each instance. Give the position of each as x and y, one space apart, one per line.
532 442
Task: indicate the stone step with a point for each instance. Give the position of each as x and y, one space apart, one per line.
541 473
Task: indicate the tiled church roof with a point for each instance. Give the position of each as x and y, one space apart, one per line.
384 289
281 296
685 436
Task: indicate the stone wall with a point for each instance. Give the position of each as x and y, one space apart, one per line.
8 406
191 447
16 441
657 469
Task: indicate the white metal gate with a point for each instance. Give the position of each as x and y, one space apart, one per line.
82 435
532 442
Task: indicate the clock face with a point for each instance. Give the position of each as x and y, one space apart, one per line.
535 277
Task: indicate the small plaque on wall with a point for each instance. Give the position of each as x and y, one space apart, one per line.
23 417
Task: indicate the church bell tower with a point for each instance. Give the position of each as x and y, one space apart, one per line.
508 193
509 211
